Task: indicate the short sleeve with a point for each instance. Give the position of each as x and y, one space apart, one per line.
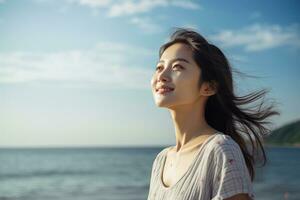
231 174
152 174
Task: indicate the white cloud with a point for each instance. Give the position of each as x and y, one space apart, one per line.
146 25
98 67
192 26
142 6
92 3
186 4
133 7
95 3
259 37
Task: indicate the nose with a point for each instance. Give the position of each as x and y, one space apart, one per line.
163 75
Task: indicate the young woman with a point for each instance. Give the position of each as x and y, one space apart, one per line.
211 158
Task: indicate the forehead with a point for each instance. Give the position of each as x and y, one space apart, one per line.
177 50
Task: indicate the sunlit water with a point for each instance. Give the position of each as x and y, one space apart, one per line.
118 174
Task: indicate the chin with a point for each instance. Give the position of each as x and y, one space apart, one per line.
165 102
162 104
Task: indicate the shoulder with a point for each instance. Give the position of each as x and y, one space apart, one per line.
159 156
163 151
227 153
224 147
230 174
223 142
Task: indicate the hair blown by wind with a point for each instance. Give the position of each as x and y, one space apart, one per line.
225 111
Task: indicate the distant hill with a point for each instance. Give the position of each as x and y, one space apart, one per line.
288 134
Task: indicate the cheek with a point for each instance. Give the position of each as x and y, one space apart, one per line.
187 89
153 81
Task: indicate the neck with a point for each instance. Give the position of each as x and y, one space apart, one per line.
190 124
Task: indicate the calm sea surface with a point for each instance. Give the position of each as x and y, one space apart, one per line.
119 174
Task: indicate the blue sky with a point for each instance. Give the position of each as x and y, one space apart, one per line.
77 72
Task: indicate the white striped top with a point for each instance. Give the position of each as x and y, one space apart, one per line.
217 172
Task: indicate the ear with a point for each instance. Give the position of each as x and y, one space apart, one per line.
209 88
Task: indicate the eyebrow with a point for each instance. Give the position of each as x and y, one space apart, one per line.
175 59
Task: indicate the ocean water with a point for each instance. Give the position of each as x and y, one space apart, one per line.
119 174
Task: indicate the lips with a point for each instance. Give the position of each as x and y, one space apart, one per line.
164 89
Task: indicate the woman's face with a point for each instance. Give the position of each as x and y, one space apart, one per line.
176 69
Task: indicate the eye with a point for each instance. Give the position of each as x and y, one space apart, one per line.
158 67
179 66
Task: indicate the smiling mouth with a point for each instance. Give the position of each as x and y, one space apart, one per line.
164 90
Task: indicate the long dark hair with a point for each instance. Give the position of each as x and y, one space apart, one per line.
224 110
